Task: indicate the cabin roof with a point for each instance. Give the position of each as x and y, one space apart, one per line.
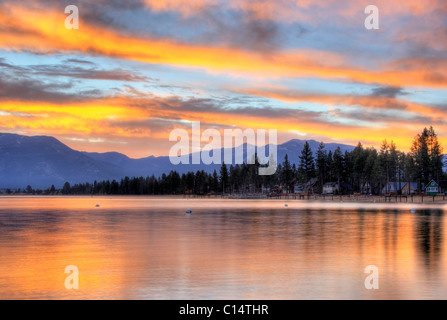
432 183
330 184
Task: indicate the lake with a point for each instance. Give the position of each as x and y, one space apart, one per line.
148 248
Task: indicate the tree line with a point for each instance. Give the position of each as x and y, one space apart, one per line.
352 170
374 168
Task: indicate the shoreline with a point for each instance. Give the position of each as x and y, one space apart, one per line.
416 200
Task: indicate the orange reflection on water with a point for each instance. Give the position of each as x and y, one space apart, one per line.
147 248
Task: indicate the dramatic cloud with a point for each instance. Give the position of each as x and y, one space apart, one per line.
390 92
49 35
28 90
137 69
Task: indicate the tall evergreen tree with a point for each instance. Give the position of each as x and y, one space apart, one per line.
321 162
371 162
215 182
338 166
384 161
66 189
224 179
348 169
359 162
420 157
307 163
286 175
330 166
435 150
426 157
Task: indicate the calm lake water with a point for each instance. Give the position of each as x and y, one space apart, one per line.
148 248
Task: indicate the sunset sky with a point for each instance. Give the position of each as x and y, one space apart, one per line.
137 69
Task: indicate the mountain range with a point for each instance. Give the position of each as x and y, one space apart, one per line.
42 161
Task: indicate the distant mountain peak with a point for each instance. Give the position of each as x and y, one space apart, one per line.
41 161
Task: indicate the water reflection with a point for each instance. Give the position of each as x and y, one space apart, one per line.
429 235
139 248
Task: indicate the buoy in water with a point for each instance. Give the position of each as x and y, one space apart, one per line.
188 211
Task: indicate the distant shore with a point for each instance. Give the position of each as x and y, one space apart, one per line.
417 199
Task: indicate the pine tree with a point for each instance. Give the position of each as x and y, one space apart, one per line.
359 161
321 163
435 151
286 175
384 160
215 182
348 168
224 179
420 157
368 170
426 154
307 163
393 162
329 166
338 166
66 189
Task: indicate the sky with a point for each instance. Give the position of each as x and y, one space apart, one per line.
136 70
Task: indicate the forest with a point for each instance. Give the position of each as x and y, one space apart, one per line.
352 171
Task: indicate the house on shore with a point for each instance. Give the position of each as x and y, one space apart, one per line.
265 190
298 188
331 188
432 188
312 186
395 187
410 188
365 188
404 188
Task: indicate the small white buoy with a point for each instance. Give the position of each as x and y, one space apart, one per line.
286 205
188 211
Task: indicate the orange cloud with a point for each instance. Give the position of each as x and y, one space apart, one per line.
136 119
45 32
292 11
370 102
